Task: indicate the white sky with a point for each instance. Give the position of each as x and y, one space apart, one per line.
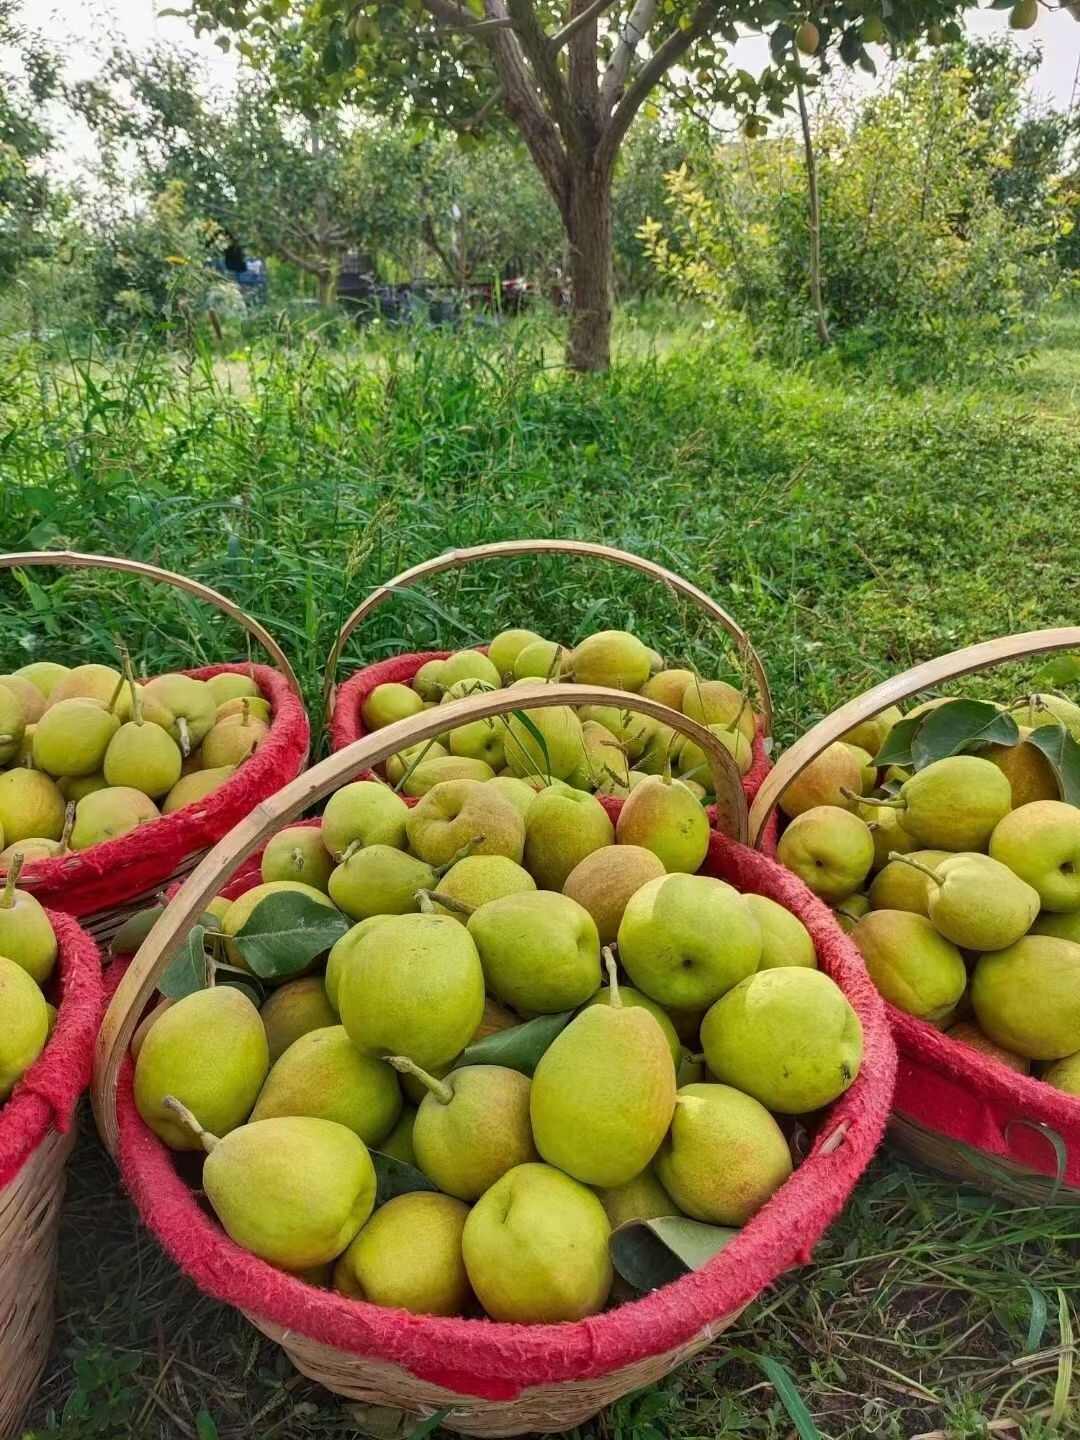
78 26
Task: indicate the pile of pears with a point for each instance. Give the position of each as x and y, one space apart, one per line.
958 882
27 961
601 749
88 754
655 1033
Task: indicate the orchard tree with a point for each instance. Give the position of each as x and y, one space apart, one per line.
29 78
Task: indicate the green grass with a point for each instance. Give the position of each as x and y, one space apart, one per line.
853 530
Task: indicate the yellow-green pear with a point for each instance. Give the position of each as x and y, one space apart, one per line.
888 833
1046 709
603 882
464 813
477 879
379 880
366 811
413 986
1029 773
870 735
788 1037
469 665
661 752
427 682
664 817
976 902
31 805
507 646
253 706
45 675
341 956
850 911
966 1033
398 1144
472 1126
536 1248
867 768
785 940
87 682
323 1074
715 702
686 939
71 738
830 849
240 910
540 951
831 778
74 787
230 685
233 740
561 828
196 786
26 933
407 760
1064 1075
192 704
480 740
603 1092
1063 926
953 804
26 1024
629 998
602 757
540 659
1027 998
549 745
693 764
668 686
642 1198
914 967
408 1256
462 689
634 732
1040 843
207 1050
12 726
293 1010
107 814
142 756
614 658
519 792
30 698
388 703
441 769
904 887
712 1121
298 853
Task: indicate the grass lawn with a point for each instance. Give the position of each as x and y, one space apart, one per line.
852 529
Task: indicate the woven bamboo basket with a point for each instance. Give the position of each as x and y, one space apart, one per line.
343 704
956 1110
487 1378
36 1137
106 884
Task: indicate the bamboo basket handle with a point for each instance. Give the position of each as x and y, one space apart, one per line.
972 658
73 560
458 559
163 942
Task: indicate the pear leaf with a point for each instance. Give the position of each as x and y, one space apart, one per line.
651 1253
134 930
897 747
959 727
285 932
1063 753
188 970
396 1177
1057 672
520 1047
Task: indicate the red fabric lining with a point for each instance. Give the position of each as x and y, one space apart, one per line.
110 873
47 1094
498 1361
347 724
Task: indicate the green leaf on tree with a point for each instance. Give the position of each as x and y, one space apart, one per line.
651 1253
1063 753
396 1177
520 1047
189 970
959 727
285 932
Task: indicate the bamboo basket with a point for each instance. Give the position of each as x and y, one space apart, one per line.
36 1136
956 1110
342 705
491 1378
113 880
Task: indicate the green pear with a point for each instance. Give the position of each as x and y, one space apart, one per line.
408 1256
831 778
614 658
914 967
519 792
87 682
867 768
469 665
71 738
405 761
26 933
603 882
686 939
108 814
561 828
539 659
388 703
642 1198
976 902
712 1121
507 646
888 833
662 816
621 786
693 764
293 1010
233 740
603 1092
341 957
1041 844
1027 998
540 951
1064 1075
668 686
1064 927
31 806
965 1033
143 756
464 813
293 1190
192 704
870 735
785 940
413 986
536 1248
253 706
26 1024
633 731
398 1144
715 702
323 1074
74 787
953 804
462 689
379 880
830 849
477 879
231 686
631 998
45 675
31 701
240 910
545 742
602 756
471 1127
787 1037
12 726
1029 773
190 789
298 853
480 740
1046 710
441 769
207 1050
661 752
849 912
427 682
904 887
366 811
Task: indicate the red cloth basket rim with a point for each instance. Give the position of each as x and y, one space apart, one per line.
498 1361
116 870
46 1096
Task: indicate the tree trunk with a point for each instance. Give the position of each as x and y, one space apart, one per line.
588 228
814 219
326 280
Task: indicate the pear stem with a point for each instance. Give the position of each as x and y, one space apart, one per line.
349 851
614 998
7 899
462 854
443 1093
116 694
878 801
187 1119
916 865
245 711
69 825
129 679
433 898
185 736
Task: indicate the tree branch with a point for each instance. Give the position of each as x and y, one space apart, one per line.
583 77
449 12
638 24
570 29
536 47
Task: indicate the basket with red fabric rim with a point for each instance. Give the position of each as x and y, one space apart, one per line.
107 881
344 704
37 1132
965 1101
493 1377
